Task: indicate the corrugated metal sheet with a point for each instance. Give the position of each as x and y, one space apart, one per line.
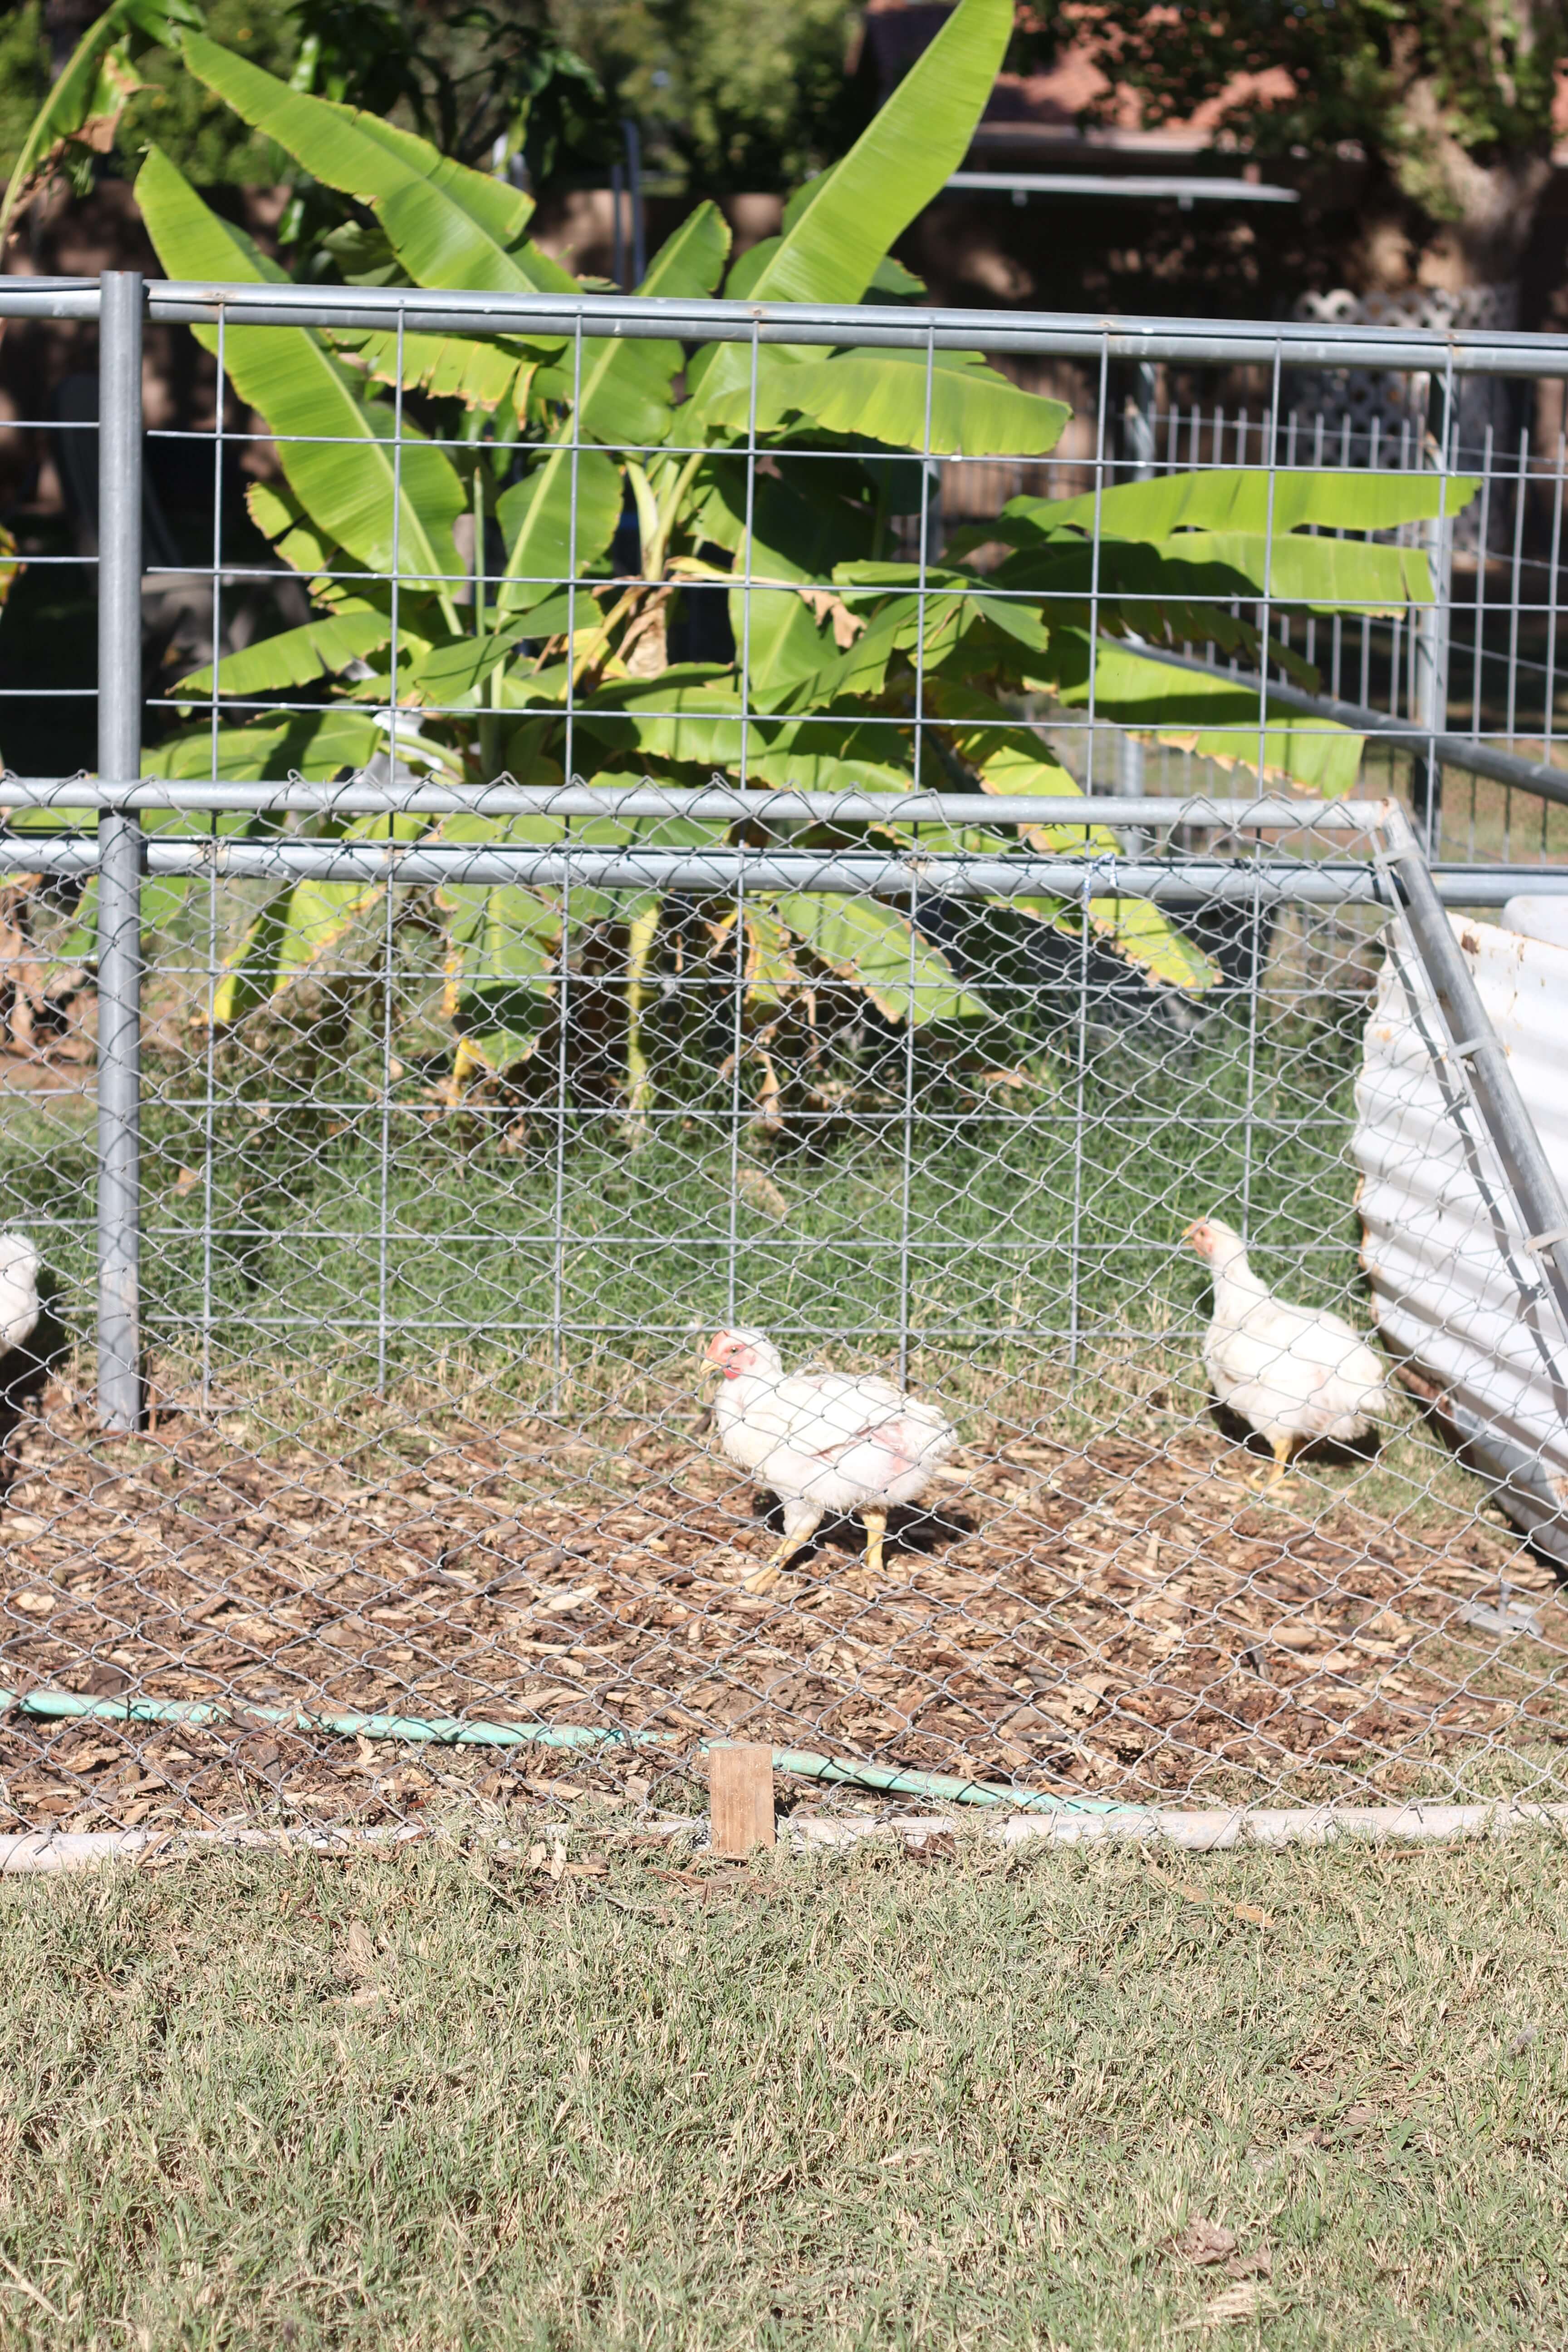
1457 1294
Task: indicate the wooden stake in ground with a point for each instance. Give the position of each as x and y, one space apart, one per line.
740 1795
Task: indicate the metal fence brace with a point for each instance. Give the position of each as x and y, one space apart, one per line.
397 1265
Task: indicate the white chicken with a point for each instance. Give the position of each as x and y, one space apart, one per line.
18 1291
1293 1373
823 1441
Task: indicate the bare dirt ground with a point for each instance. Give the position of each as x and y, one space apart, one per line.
1127 1619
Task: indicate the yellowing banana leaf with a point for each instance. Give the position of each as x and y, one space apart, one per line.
1012 762
1144 935
1231 499
294 658
335 445
881 951
967 408
299 926
771 973
501 959
11 568
84 106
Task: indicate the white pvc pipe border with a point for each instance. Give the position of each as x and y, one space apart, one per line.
1195 1832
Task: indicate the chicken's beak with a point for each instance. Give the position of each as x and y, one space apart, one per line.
1191 1236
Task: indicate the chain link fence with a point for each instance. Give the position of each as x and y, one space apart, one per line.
520 1134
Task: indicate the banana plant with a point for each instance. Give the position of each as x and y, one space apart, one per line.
81 113
850 670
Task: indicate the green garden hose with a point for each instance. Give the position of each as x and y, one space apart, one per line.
453 1731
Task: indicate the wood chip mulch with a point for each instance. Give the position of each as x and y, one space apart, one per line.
1124 1620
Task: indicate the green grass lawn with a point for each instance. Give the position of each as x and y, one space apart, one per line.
444 2100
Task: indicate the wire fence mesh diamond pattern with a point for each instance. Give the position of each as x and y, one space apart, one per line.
658 1175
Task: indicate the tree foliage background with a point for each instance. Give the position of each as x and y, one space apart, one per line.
728 97
1450 100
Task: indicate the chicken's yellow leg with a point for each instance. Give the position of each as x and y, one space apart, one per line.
762 1580
1280 1474
876 1529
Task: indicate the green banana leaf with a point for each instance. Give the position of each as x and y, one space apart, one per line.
448 677
299 656
619 388
1198 568
861 668
881 951
315 744
1223 500
966 408
831 752
899 162
447 224
1009 759
90 94
536 520
299 926
1216 717
690 720
620 393
335 444
278 516
801 533
448 367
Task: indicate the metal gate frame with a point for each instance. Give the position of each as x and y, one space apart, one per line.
1397 874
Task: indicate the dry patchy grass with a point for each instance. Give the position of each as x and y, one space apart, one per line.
1051 2099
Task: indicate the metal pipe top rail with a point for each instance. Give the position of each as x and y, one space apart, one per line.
1190 189
361 796
900 877
894 878
1217 342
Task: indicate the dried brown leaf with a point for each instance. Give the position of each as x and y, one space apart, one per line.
1206 2242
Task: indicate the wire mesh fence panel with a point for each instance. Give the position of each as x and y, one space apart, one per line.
686 1186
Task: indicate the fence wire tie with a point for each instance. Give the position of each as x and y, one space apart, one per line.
1539 1241
1463 1047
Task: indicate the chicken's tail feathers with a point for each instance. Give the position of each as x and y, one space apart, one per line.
925 1435
920 1437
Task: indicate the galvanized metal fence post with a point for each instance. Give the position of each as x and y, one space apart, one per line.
119 849
1432 630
